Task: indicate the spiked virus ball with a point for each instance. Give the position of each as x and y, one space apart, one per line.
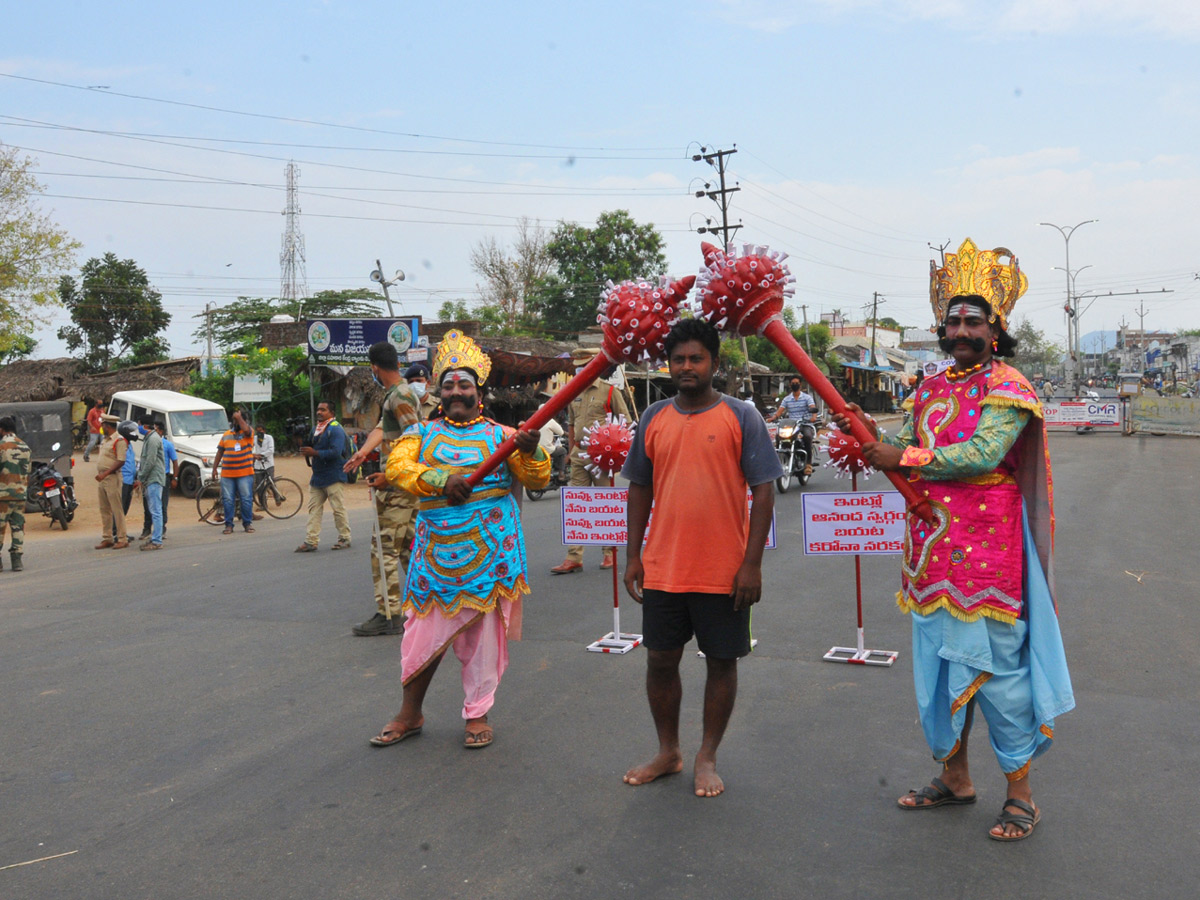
635 317
740 294
845 455
606 445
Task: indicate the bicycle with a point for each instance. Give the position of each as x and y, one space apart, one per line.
279 498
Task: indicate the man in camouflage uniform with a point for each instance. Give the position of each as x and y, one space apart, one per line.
14 476
397 509
590 407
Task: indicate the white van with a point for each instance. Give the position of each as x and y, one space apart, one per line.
194 426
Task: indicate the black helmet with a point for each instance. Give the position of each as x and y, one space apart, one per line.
128 429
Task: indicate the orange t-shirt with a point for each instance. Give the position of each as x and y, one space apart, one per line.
699 465
238 458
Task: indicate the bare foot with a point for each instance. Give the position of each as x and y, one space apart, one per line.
708 782
662 764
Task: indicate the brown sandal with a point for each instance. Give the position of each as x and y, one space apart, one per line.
394 732
474 740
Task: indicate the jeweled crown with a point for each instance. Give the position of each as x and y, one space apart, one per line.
975 271
457 351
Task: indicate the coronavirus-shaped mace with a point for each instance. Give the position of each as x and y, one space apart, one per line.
635 317
744 294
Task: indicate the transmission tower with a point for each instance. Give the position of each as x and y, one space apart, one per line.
293 281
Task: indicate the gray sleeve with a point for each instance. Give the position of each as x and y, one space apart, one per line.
760 463
638 467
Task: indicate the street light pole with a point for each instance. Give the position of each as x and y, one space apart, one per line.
1074 314
1072 311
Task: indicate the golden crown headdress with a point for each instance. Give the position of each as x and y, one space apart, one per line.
457 351
975 271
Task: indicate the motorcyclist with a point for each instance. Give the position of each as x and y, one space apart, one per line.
799 405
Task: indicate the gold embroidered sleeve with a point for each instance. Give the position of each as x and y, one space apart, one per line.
533 471
406 472
998 429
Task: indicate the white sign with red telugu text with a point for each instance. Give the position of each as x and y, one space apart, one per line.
596 517
860 522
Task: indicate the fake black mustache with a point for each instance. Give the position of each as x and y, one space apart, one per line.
948 344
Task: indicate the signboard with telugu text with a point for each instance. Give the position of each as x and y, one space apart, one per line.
858 522
595 517
345 342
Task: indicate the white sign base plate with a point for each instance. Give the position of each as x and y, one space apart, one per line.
619 644
861 657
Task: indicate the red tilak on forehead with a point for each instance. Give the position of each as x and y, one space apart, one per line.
964 308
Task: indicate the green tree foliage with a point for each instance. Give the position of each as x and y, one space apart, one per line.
616 249
145 351
239 324
288 369
33 250
767 354
21 348
1035 354
113 308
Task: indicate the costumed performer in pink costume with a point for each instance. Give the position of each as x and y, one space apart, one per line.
467 571
979 582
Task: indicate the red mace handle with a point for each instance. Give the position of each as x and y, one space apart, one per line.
552 407
776 332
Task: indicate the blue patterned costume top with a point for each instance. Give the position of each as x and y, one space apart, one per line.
470 556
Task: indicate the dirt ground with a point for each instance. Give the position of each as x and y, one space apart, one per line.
182 510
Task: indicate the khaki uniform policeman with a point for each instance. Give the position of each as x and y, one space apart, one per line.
403 406
14 476
590 407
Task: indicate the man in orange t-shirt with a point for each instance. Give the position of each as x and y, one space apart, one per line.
235 461
693 458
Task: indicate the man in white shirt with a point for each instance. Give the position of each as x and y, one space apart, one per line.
264 462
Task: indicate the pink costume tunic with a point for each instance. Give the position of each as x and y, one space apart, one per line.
970 561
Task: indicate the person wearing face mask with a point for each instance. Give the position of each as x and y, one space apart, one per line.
396 509
417 376
468 568
798 405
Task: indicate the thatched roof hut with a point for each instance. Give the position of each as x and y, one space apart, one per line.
64 379
32 380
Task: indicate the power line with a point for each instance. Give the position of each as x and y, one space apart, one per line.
298 121
35 123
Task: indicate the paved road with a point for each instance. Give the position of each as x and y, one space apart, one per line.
193 723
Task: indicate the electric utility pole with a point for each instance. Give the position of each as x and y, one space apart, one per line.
874 323
721 196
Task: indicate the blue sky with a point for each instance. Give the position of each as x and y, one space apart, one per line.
866 130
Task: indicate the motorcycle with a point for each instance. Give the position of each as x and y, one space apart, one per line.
789 444
52 492
560 469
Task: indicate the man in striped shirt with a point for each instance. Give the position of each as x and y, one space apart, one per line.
235 457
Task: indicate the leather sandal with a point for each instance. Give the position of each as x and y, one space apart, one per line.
935 794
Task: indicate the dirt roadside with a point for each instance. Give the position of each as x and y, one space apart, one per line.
181 511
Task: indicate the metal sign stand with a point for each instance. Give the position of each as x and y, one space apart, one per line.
860 655
615 641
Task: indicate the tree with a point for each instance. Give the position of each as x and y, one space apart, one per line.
22 346
616 249
32 251
288 368
767 354
239 324
1035 355
512 277
113 307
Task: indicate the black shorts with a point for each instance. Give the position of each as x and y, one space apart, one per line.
669 621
